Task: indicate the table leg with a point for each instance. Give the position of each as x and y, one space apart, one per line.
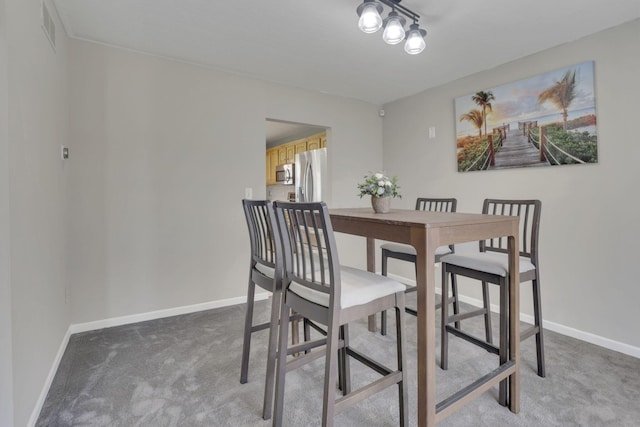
371 266
426 323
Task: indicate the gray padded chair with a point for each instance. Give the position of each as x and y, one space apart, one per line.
316 286
263 273
491 265
408 253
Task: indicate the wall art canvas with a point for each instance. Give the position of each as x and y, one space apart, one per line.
545 120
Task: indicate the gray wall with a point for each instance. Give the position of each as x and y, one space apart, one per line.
6 362
161 154
37 127
590 227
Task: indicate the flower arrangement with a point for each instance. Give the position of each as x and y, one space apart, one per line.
379 185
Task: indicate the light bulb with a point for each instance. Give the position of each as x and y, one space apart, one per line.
415 40
393 29
370 19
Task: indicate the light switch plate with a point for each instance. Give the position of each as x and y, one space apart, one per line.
432 132
248 193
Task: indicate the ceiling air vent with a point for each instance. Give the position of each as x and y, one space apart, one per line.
48 26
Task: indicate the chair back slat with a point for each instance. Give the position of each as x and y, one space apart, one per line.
529 213
261 236
310 254
436 204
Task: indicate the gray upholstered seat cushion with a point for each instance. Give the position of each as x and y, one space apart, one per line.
408 249
265 270
358 287
488 262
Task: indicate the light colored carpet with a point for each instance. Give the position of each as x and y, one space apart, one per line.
184 371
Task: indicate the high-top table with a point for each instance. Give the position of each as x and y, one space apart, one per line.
426 231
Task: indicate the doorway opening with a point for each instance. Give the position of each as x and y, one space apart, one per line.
295 171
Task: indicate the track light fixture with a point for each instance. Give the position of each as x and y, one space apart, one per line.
371 21
393 28
415 40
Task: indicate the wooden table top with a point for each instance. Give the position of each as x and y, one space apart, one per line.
397 224
412 217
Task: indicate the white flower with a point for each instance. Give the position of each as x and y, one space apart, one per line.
378 185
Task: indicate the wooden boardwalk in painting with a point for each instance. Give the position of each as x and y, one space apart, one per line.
517 152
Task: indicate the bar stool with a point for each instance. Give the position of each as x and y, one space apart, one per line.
408 253
491 265
264 273
319 288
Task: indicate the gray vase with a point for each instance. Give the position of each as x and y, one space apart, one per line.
381 204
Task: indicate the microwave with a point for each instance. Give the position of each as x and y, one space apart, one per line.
284 174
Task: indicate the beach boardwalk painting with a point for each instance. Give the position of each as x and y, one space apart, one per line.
546 120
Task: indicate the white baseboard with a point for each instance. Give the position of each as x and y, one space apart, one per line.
568 331
124 320
47 384
552 326
158 314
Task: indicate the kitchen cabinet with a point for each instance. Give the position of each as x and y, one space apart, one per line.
267 169
282 155
313 142
290 153
317 141
272 162
286 153
300 146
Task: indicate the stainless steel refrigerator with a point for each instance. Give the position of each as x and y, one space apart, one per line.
311 175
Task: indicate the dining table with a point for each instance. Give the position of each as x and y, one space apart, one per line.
426 231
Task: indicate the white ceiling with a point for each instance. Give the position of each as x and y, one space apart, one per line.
317 45
279 132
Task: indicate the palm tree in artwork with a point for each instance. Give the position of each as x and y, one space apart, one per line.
561 94
476 118
484 99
